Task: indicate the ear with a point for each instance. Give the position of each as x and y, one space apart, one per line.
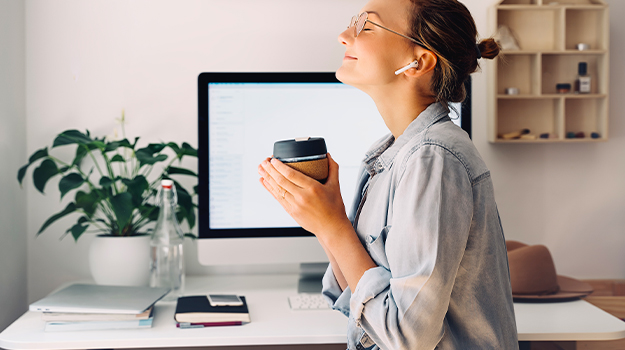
427 62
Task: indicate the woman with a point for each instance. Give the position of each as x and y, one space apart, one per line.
421 261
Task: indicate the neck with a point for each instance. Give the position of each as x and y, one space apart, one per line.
399 105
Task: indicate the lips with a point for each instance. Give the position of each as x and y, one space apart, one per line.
348 57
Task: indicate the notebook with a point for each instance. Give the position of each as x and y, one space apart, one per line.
93 298
197 309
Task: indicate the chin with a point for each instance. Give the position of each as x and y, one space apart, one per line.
346 76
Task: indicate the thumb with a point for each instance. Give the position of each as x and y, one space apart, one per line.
333 170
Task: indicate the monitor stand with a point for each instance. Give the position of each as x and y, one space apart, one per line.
310 276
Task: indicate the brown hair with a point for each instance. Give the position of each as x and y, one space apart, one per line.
446 28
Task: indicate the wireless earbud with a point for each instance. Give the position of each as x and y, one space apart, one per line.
412 64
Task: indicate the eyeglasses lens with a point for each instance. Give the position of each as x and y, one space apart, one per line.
362 19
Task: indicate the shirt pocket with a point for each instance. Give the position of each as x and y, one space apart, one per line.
376 246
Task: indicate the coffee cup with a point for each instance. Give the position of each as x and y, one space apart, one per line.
305 154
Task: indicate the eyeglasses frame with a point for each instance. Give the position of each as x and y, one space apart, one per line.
355 19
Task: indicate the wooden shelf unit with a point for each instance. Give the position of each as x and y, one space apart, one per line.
548 33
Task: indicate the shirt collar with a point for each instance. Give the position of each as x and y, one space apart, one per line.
380 157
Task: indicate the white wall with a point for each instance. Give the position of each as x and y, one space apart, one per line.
12 155
85 61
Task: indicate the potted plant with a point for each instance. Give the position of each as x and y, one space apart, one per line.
113 196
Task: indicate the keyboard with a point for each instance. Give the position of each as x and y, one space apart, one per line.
305 301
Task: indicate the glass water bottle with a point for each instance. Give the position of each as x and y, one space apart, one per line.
167 260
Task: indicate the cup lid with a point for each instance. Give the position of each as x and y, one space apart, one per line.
299 147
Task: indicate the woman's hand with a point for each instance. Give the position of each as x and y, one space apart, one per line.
317 207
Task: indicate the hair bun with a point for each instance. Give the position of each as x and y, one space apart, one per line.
489 48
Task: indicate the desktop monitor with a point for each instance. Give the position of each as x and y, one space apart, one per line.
240 117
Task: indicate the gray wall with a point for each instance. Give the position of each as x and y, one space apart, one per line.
86 61
12 155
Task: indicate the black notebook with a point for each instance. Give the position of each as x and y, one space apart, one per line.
197 309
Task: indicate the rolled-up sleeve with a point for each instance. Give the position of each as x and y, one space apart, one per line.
404 306
337 298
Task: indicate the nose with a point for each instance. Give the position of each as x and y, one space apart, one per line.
347 36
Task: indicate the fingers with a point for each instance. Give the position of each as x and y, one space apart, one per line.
293 178
333 170
274 181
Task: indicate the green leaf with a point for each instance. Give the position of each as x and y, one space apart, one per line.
175 148
145 156
196 189
149 211
118 158
70 182
69 137
174 170
112 146
190 235
188 150
79 228
137 187
190 218
42 153
81 152
98 144
88 202
71 207
106 181
185 202
135 143
122 207
156 147
43 173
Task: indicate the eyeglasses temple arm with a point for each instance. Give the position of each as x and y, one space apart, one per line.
400 34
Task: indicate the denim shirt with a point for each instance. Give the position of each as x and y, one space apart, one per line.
425 211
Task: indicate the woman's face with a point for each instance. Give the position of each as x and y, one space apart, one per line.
373 57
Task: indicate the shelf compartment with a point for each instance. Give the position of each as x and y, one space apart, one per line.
513 72
538 115
587 116
539 28
558 69
586 26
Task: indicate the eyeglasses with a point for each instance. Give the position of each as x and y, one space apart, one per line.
358 22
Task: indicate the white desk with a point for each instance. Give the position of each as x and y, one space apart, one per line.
274 323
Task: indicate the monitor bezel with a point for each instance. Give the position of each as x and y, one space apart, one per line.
203 131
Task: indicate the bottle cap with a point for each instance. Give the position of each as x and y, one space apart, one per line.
300 147
167 183
582 68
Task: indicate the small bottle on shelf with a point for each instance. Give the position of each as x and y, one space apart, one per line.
582 83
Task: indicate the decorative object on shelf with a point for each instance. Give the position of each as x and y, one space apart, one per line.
118 200
563 88
570 135
552 41
506 39
512 91
515 134
582 83
595 135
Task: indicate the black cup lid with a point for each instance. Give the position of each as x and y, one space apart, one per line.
300 147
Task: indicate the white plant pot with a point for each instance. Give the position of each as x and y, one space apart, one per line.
122 261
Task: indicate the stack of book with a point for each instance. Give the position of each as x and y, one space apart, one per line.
197 312
95 307
66 321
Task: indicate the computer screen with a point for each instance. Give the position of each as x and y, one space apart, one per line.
241 115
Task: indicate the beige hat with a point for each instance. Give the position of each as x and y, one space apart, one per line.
533 275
